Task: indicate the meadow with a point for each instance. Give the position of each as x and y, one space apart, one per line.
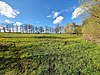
48 54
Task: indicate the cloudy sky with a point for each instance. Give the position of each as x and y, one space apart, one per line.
40 12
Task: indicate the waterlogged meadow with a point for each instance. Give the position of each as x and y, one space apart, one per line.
48 54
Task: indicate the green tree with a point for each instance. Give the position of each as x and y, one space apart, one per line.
69 28
78 30
91 25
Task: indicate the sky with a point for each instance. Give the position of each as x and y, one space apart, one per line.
40 12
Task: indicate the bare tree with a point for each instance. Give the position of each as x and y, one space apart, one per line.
57 29
41 29
46 29
36 29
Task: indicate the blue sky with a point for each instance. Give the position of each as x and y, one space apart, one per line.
36 12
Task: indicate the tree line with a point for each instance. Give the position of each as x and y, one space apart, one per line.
28 28
70 28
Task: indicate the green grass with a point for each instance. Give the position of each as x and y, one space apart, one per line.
48 54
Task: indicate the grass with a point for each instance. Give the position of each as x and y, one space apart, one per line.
48 54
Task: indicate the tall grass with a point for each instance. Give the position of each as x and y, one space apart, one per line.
48 54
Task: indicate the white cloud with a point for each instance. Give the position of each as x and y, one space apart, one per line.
58 20
68 9
49 16
8 21
18 23
55 14
7 10
79 11
83 9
